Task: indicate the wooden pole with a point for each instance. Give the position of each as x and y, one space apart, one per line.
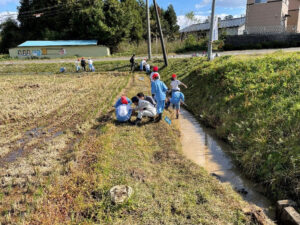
161 34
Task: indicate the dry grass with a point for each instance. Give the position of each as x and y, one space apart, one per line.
41 120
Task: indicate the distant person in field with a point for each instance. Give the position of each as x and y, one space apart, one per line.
132 62
176 100
144 109
91 67
77 64
147 67
146 98
123 109
143 63
62 69
83 64
159 89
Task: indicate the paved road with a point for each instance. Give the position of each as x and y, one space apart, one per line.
243 52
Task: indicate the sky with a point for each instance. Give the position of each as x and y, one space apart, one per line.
201 8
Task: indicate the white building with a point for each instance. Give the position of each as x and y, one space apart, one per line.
235 26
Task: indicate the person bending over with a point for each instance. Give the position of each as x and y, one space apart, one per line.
143 108
146 98
123 109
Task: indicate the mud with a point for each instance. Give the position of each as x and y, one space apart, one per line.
202 147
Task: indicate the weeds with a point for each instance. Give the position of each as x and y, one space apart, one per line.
253 102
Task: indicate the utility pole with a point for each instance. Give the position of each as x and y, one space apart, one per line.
149 30
212 21
161 34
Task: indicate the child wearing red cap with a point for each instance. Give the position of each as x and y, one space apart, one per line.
174 87
155 70
159 90
123 109
176 83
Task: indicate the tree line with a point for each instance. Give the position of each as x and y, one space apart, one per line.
108 21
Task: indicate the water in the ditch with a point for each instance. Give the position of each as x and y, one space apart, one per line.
202 147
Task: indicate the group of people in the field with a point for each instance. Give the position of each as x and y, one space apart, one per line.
153 106
81 64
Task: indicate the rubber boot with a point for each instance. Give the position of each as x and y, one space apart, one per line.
138 122
159 117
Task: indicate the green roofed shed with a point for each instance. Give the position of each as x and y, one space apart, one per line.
59 49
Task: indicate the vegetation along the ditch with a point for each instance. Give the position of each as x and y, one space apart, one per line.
254 104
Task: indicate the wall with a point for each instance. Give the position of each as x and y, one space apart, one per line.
293 23
257 41
59 51
265 17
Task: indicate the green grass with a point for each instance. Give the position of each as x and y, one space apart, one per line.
254 104
168 188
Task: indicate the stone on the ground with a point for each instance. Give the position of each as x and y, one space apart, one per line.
120 194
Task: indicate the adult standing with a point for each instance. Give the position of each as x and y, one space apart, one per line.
83 64
132 62
159 89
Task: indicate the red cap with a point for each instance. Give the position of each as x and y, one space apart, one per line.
155 76
155 69
174 76
124 100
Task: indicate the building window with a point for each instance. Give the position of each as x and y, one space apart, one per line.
261 1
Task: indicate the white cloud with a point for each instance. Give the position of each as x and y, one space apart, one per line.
5 15
5 2
183 22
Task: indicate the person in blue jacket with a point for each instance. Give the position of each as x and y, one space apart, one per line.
177 98
123 109
159 89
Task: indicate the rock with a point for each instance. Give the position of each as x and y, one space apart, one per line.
120 194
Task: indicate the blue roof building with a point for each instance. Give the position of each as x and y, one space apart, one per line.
59 43
59 49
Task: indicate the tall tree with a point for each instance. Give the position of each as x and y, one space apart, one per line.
10 35
171 19
134 18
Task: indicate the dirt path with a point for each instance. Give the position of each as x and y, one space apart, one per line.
124 58
200 146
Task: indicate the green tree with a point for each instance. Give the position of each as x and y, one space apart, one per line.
10 35
171 19
134 17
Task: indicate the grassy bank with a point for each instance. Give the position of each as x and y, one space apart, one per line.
254 104
168 189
